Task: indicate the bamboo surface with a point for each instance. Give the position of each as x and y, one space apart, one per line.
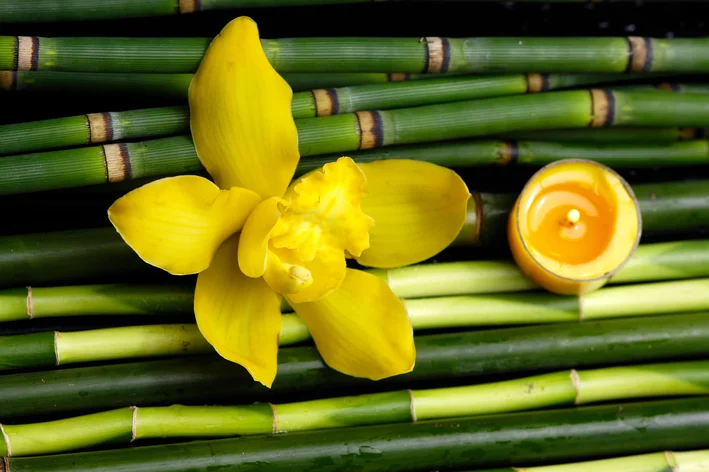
668 208
564 388
531 437
366 130
157 122
364 54
202 380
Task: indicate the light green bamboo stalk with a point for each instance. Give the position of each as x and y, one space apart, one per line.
555 389
63 348
673 260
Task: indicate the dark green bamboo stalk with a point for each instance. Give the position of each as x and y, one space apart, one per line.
80 255
400 55
667 208
540 391
24 11
630 135
366 130
532 437
156 122
207 379
174 86
38 350
666 87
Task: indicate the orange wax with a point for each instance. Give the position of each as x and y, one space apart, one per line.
574 225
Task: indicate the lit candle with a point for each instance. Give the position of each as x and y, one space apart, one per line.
574 225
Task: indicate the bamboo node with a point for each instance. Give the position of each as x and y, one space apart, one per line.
672 461
100 127
437 55
412 405
535 83
188 6
326 102
371 132
57 334
640 55
576 382
7 79
134 425
580 304
27 53
117 162
398 76
30 303
8 446
274 427
602 108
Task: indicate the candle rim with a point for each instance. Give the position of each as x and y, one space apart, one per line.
518 208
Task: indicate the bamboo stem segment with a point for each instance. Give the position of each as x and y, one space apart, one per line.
157 122
540 391
398 55
78 255
28 351
200 380
556 435
672 260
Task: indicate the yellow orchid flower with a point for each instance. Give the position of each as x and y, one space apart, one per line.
253 236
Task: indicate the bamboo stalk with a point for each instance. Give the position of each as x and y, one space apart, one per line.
667 208
565 388
109 127
174 86
206 379
23 11
651 262
666 461
48 258
87 166
36 350
532 437
630 135
344 133
353 54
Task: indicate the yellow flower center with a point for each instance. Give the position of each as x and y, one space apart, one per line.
321 223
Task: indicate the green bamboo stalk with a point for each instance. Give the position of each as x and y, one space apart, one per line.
116 126
47 258
651 262
629 135
667 208
471 153
357 54
24 11
565 388
344 133
532 437
174 86
636 300
93 128
154 158
207 379
666 87
666 461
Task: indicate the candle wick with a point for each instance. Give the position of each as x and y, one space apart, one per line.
573 216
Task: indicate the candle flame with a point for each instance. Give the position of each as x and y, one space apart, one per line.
573 216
